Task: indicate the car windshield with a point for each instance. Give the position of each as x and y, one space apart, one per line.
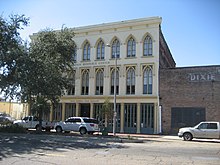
90 121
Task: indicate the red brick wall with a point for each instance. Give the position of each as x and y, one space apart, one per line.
190 87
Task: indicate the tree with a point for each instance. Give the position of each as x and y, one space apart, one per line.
45 73
35 74
12 51
108 111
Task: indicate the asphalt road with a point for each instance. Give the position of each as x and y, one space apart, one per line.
38 149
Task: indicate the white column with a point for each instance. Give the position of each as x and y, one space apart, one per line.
138 117
122 119
63 111
91 109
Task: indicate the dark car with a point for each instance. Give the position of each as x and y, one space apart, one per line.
5 119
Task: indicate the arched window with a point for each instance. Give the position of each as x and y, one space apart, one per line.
148 46
74 53
148 80
100 50
113 81
71 89
74 56
130 81
86 51
116 48
99 82
131 48
85 82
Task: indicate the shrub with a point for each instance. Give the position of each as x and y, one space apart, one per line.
12 128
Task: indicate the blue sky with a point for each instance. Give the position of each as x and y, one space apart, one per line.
190 27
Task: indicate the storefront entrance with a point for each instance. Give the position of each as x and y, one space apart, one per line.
147 118
130 125
84 110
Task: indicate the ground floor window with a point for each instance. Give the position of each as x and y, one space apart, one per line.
85 110
130 117
98 114
103 118
57 113
147 118
70 110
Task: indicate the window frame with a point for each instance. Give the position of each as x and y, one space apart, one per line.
100 50
115 48
71 77
112 81
131 47
148 46
85 82
148 80
86 51
99 88
130 81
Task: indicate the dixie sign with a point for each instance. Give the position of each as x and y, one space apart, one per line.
201 77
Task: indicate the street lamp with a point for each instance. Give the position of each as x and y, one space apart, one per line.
115 113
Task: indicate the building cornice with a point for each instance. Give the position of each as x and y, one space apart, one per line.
120 24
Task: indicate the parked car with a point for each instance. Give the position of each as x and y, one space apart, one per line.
206 130
5 118
31 122
78 124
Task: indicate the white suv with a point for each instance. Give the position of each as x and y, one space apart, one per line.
82 124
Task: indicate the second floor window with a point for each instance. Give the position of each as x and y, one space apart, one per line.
85 82
113 81
148 80
116 49
130 86
131 48
74 58
99 82
71 89
148 46
100 50
86 51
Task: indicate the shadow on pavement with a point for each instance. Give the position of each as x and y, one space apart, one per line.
12 144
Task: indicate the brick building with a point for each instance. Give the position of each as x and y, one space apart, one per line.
189 95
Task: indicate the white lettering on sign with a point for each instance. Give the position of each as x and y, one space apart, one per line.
92 63
201 77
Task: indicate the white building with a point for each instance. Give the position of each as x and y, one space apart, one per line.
141 50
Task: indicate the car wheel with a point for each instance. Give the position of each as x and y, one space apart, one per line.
187 136
83 131
37 127
16 125
59 129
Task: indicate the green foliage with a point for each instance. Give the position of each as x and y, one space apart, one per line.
40 106
51 57
107 109
35 74
11 52
11 128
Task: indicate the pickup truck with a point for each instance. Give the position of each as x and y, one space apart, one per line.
204 130
32 122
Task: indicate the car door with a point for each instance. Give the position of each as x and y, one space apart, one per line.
212 131
27 121
200 130
77 124
68 124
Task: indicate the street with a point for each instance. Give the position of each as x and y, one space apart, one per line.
38 149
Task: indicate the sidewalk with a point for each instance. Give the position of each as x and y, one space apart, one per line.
145 136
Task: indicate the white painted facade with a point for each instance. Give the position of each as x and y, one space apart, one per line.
138 29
